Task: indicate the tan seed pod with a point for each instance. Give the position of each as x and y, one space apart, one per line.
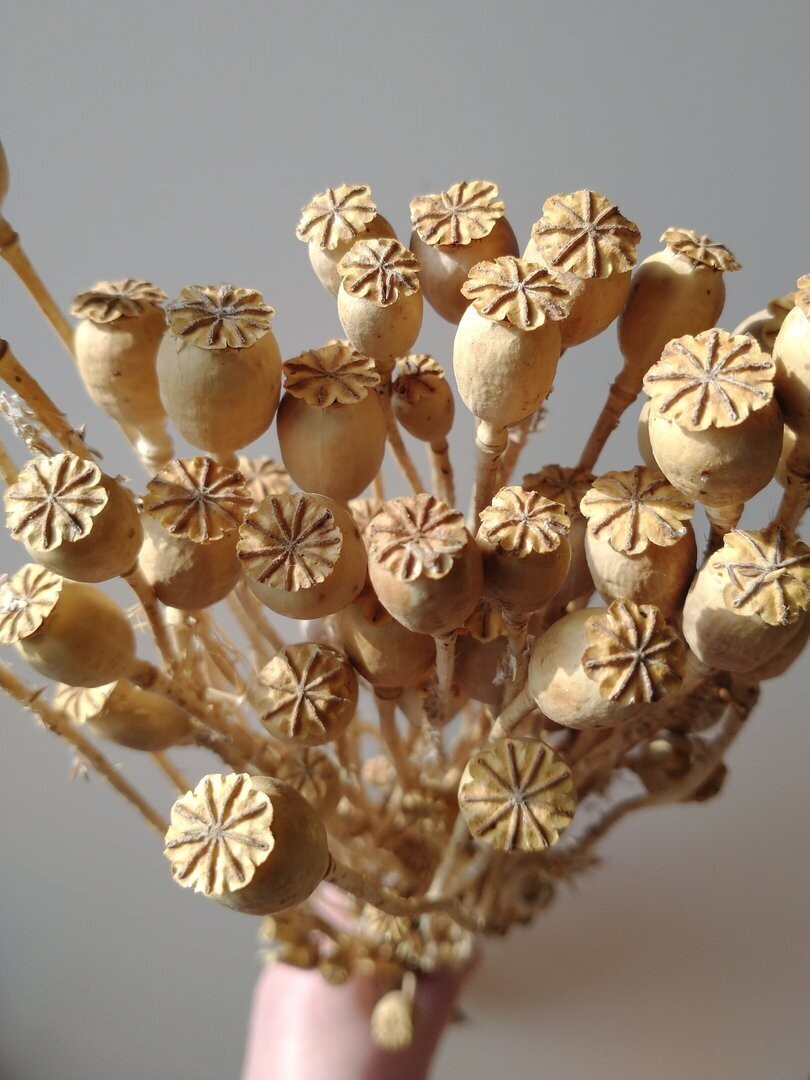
219 367
478 666
302 555
422 398
73 518
392 1022
307 694
454 230
332 222
517 795
126 715
331 425
791 354
764 325
380 301
197 499
584 235
250 842
314 776
187 575
663 760
72 633
264 477
363 510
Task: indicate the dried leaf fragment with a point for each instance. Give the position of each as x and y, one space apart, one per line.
219 316
26 601
290 542
765 573
636 508
417 536
523 522
700 249
336 216
109 301
379 270
335 374
583 233
467 211
632 654
54 501
197 499
511 290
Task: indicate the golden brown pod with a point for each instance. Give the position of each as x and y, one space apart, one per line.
126 715
791 353
307 694
314 775
422 398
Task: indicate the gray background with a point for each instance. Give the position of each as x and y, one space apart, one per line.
178 142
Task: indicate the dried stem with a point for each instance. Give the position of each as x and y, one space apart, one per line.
154 615
386 710
441 472
517 656
454 852
11 250
623 392
400 451
252 618
517 437
722 519
490 444
177 777
8 470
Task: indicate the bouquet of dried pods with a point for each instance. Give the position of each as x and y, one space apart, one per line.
436 726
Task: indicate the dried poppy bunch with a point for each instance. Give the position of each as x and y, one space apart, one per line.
435 726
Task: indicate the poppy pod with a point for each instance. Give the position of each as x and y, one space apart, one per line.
126 715
219 367
72 633
73 519
791 354
582 234
380 300
116 345
332 222
764 325
307 694
452 231
481 656
422 402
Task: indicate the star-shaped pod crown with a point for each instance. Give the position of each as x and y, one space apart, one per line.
636 508
290 542
415 377
521 293
336 216
417 536
632 654
335 374
54 501
26 601
560 483
219 316
764 573
197 499
584 234
379 270
523 523
802 294
109 301
467 211
307 693
699 249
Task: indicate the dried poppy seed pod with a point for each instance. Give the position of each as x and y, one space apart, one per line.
72 633
392 1022
639 543
126 715
116 346
251 843
74 519
748 600
307 694
264 477
715 427
643 436
332 222
302 555
386 653
453 231
219 367
663 760
331 425
422 402
791 354
517 795
314 776
764 325
584 235
380 301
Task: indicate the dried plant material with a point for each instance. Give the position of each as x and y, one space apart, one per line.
109 301
333 374
197 499
517 795
26 601
415 377
561 484
308 694
417 536
584 234
633 655
314 775
779 308
364 510
712 380
219 316
290 542
521 522
636 508
700 250
54 501
767 574
467 211
336 216
381 271
523 294
392 1022
379 925
801 297
82 704
264 476
220 832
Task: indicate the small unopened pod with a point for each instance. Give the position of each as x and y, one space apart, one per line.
452 231
251 843
481 650
126 715
73 518
639 542
380 300
791 354
386 653
302 555
192 512
307 694
219 367
664 760
72 633
764 325
332 222
674 292
523 540
422 398
748 600
116 346
423 564
715 427
584 235
331 426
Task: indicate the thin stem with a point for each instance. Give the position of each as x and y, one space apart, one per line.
454 850
441 472
252 618
517 437
386 710
490 444
8 470
11 250
517 709
400 451
517 656
175 775
623 392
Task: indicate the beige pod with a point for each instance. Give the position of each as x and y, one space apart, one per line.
302 555
639 542
481 656
331 426
584 235
126 715
307 694
748 600
116 346
72 633
380 300
764 325
251 843
332 222
219 367
452 231
314 775
674 292
791 354
643 436
422 398
73 518
186 575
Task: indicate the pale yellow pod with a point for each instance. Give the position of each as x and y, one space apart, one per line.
478 667
791 354
422 399
307 694
188 575
126 715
